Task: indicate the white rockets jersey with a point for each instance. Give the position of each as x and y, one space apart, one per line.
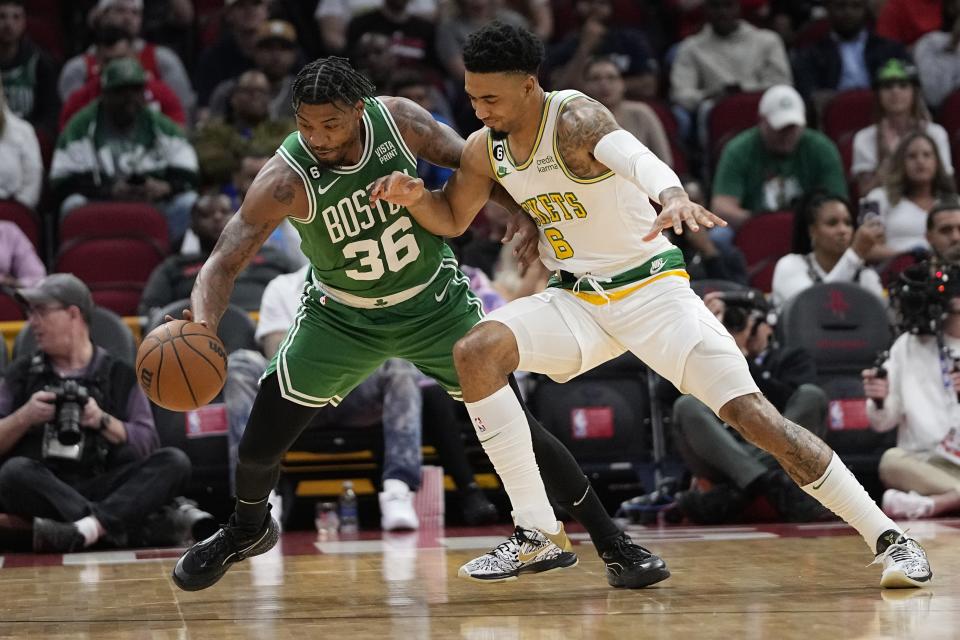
587 225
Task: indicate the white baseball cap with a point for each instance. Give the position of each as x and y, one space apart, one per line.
782 106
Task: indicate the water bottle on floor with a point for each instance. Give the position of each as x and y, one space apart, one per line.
348 508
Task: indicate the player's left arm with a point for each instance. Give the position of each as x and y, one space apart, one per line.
433 141
590 142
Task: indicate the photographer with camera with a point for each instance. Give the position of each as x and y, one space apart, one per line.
78 446
738 470
915 391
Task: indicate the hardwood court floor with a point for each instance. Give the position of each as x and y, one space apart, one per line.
807 581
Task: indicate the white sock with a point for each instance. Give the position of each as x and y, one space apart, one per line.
502 429
838 490
90 528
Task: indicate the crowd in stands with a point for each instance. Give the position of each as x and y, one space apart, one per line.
823 131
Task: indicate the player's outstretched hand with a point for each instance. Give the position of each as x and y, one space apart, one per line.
678 211
521 227
398 188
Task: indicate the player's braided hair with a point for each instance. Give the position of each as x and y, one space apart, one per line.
502 48
327 80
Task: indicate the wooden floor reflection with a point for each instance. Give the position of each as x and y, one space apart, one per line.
740 582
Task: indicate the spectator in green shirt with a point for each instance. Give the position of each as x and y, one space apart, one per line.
770 166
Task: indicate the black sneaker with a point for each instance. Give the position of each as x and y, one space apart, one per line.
50 536
205 562
477 509
630 566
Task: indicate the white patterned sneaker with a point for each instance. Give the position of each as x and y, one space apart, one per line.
526 551
905 565
910 506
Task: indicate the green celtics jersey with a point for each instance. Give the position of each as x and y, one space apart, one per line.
359 251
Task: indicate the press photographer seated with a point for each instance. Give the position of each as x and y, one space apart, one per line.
78 446
916 392
738 470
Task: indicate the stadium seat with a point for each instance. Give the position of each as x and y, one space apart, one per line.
107 330
764 239
891 272
113 247
23 217
703 287
236 329
841 324
117 220
950 119
844 327
10 309
728 117
847 112
672 130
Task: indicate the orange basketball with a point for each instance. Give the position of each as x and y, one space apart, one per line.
181 365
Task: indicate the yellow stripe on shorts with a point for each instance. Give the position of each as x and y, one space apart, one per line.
613 296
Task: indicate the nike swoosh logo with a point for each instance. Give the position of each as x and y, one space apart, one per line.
439 296
490 438
322 190
529 556
817 486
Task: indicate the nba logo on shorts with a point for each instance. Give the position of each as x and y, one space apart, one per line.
480 426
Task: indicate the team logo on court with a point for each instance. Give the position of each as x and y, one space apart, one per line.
657 265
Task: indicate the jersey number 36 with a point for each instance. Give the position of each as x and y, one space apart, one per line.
399 250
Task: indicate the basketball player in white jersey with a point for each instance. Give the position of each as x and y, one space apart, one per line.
620 286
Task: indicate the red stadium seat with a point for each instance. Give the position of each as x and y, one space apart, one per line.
672 129
116 219
847 112
113 247
950 119
764 239
47 33
9 309
24 218
729 116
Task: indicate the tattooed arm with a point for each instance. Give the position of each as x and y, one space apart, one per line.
428 139
590 143
275 193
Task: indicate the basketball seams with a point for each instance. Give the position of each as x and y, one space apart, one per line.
140 359
183 372
202 355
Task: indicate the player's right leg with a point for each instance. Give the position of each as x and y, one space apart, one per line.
273 426
534 335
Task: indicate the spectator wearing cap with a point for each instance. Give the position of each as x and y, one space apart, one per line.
235 51
728 54
102 488
159 61
900 110
846 57
29 75
118 149
599 36
937 55
114 43
412 38
21 169
770 166
276 56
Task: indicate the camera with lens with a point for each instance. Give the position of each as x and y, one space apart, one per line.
921 296
741 306
63 437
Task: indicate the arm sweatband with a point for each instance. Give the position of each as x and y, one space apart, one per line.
627 157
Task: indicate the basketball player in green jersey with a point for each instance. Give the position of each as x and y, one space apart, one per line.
620 285
380 286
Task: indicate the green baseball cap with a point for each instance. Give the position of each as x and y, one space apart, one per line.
124 72
896 70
